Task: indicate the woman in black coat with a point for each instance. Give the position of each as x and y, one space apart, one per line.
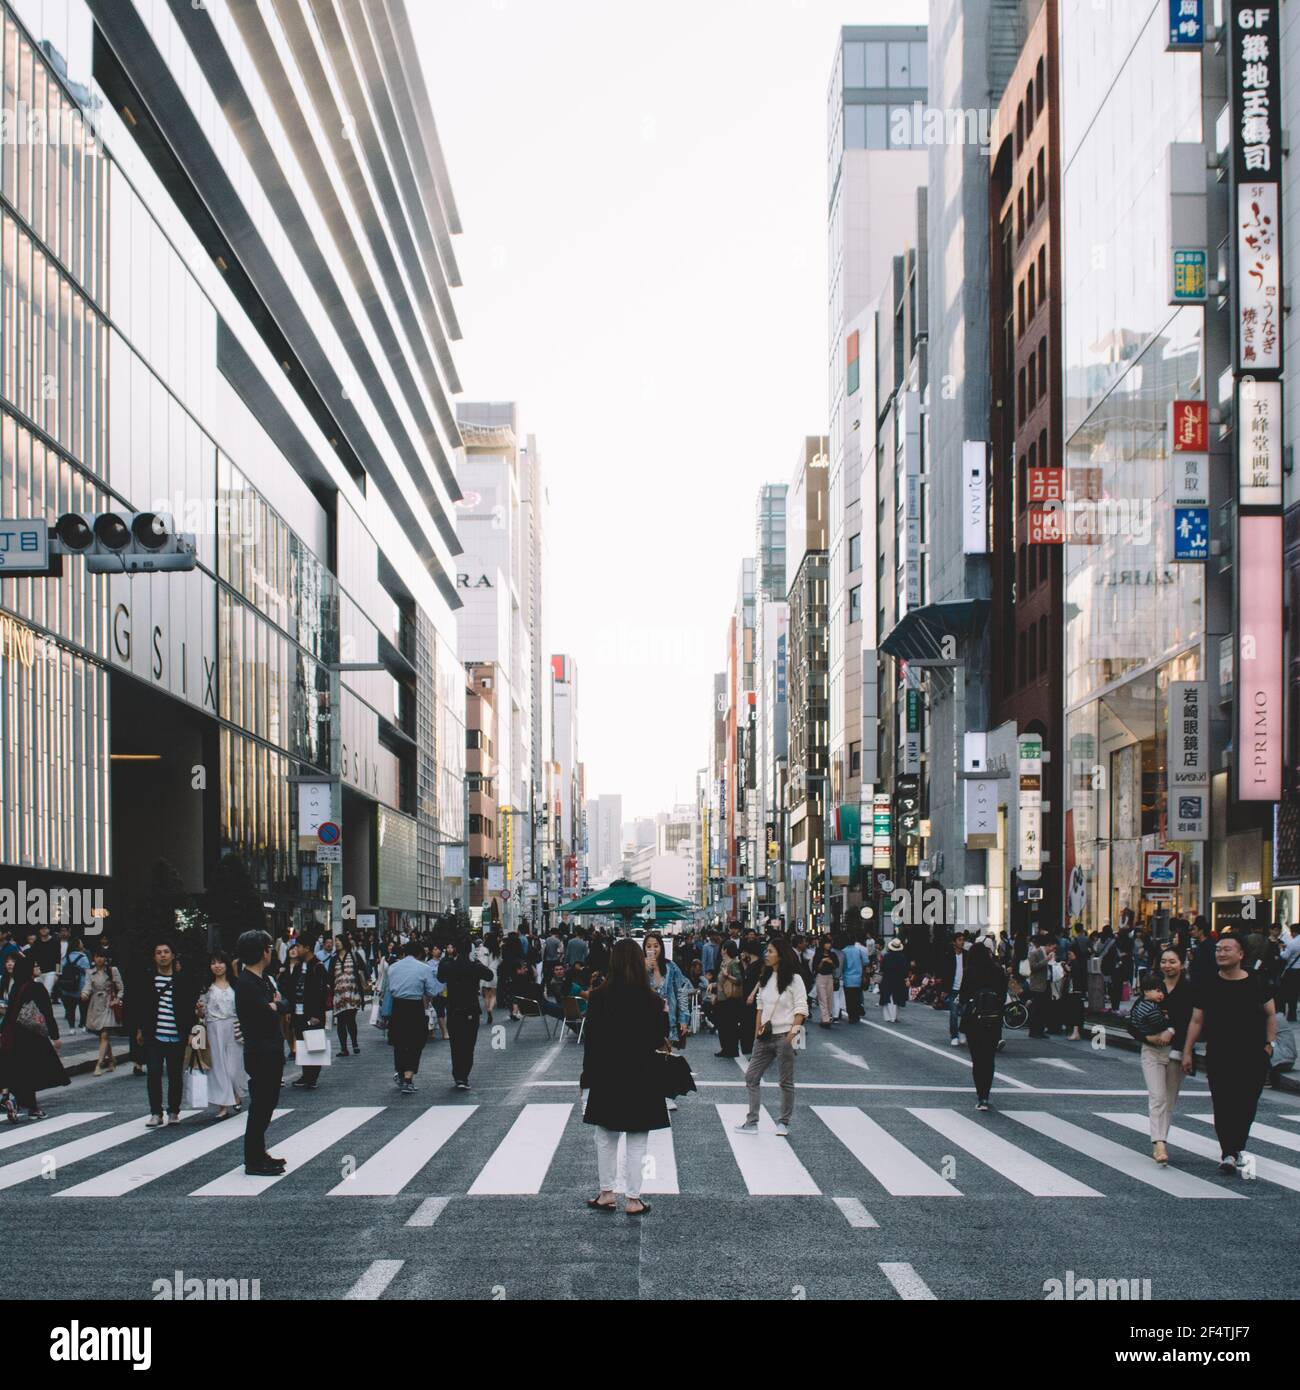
624 1031
893 980
983 994
29 1059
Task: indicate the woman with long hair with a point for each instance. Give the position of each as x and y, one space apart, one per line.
348 982
29 1045
624 1030
782 1004
826 969
227 1080
668 982
488 954
981 999
1162 1051
101 992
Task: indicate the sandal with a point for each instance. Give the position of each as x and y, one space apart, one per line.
645 1207
597 1205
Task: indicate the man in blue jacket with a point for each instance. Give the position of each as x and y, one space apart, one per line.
853 960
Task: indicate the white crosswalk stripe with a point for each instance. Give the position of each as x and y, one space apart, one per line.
297 1150
161 1161
25 1133
386 1173
1127 1161
894 1166
1270 1134
1266 1168
57 1158
519 1162
907 1282
1037 1178
519 1165
768 1165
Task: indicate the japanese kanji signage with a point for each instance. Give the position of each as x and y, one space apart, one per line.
1030 809
1047 484
1186 25
1188 761
24 546
1259 448
1256 113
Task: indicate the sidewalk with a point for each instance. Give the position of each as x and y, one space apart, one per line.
1117 1035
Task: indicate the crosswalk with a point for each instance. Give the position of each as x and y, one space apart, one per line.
834 1151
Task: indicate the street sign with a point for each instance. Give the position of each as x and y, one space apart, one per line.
1191 534
24 546
313 807
1161 868
505 893
328 833
329 854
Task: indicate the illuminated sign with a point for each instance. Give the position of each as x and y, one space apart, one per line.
1260 728
17 640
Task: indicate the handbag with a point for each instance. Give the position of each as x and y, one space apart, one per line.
196 1089
115 1005
31 1018
675 1075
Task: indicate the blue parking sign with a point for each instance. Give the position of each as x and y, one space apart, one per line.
1191 533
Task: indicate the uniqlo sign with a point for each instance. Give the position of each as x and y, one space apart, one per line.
1190 428
1046 526
1047 484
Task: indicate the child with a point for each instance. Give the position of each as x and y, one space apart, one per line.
1148 1018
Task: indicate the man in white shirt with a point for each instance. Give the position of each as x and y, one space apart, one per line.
952 977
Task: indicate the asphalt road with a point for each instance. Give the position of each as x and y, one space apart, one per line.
890 1185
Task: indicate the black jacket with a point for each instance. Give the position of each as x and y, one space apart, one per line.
259 1019
462 978
142 1003
620 1065
308 991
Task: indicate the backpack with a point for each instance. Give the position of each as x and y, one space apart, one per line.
70 977
984 1008
731 983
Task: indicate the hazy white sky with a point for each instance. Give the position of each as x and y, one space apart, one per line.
643 191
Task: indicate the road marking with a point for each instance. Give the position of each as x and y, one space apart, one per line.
661 1161
767 1164
1127 1161
386 1173
1037 1178
22 1133
907 1282
51 1160
297 1150
428 1211
519 1164
894 1166
1295 1119
375 1280
947 1052
1284 1139
1025 1093
158 1163
845 1056
1271 1171
856 1214
743 1064
1059 1062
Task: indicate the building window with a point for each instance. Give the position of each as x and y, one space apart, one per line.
1020 412
855 604
874 66
900 65
1029 199
855 552
855 127
1029 108
1040 82
1042 365
1032 277
1042 176
877 128
854 65
1042 272
1020 216
1020 129
855 759
1033 380
1020 307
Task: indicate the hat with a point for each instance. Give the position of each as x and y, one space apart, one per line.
895 945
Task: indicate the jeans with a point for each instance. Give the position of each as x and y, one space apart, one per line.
607 1159
954 1014
775 1047
172 1056
1163 1079
265 1073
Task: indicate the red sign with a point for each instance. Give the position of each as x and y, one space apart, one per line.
1046 526
1047 484
1191 427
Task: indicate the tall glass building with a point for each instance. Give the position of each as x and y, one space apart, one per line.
226 235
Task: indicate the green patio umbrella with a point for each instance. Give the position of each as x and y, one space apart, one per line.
628 901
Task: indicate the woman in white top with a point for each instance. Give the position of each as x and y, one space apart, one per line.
227 1080
488 953
782 1006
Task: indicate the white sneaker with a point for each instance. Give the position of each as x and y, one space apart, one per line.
747 1128
782 1130
154 1122
956 1042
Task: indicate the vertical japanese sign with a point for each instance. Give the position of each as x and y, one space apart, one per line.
1259 450
912 721
1188 761
1255 105
882 829
912 517
1030 808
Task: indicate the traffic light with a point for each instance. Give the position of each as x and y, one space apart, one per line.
123 542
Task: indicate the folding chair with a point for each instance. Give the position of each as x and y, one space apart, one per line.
573 1014
530 1008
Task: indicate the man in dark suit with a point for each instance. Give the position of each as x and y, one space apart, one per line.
257 1007
307 985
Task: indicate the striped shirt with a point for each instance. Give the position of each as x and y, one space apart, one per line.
165 1025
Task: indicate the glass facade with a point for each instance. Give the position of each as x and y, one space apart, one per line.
1135 620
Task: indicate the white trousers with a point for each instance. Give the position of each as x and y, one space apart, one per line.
1163 1079
889 1012
607 1159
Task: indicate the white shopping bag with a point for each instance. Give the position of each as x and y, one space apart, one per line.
374 1013
838 1005
313 1049
196 1089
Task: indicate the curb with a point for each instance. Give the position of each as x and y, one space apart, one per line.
1120 1037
